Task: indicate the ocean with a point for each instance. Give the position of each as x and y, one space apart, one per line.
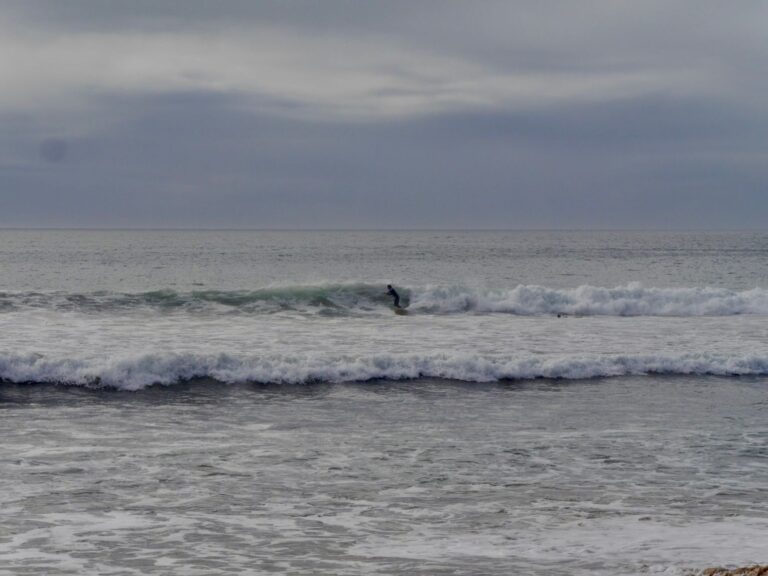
248 402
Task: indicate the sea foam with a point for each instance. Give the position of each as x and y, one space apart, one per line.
136 372
632 299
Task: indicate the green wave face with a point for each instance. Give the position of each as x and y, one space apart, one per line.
328 299
632 299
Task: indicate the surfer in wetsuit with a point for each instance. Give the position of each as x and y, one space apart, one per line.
392 292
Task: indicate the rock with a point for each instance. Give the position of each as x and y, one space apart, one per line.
756 570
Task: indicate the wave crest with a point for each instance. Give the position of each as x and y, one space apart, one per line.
133 373
632 299
629 300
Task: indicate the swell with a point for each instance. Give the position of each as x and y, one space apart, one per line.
136 372
308 298
632 299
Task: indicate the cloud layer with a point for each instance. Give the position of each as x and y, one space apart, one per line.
391 114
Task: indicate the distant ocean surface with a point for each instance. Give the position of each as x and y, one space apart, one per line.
216 402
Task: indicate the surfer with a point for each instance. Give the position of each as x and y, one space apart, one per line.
392 292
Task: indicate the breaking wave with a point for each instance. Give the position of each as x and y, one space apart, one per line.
134 373
632 299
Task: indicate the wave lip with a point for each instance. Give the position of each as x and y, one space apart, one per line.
136 372
629 300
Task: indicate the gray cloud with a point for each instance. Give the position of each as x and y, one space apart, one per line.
412 114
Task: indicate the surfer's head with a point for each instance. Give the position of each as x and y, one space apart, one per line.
389 285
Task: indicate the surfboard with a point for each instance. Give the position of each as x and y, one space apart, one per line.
401 311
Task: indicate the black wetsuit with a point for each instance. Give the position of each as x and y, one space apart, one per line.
392 292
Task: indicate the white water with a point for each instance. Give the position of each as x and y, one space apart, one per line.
133 350
632 299
133 373
479 442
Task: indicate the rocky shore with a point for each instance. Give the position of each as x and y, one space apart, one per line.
756 570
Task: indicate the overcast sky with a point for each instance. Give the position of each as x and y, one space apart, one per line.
389 114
